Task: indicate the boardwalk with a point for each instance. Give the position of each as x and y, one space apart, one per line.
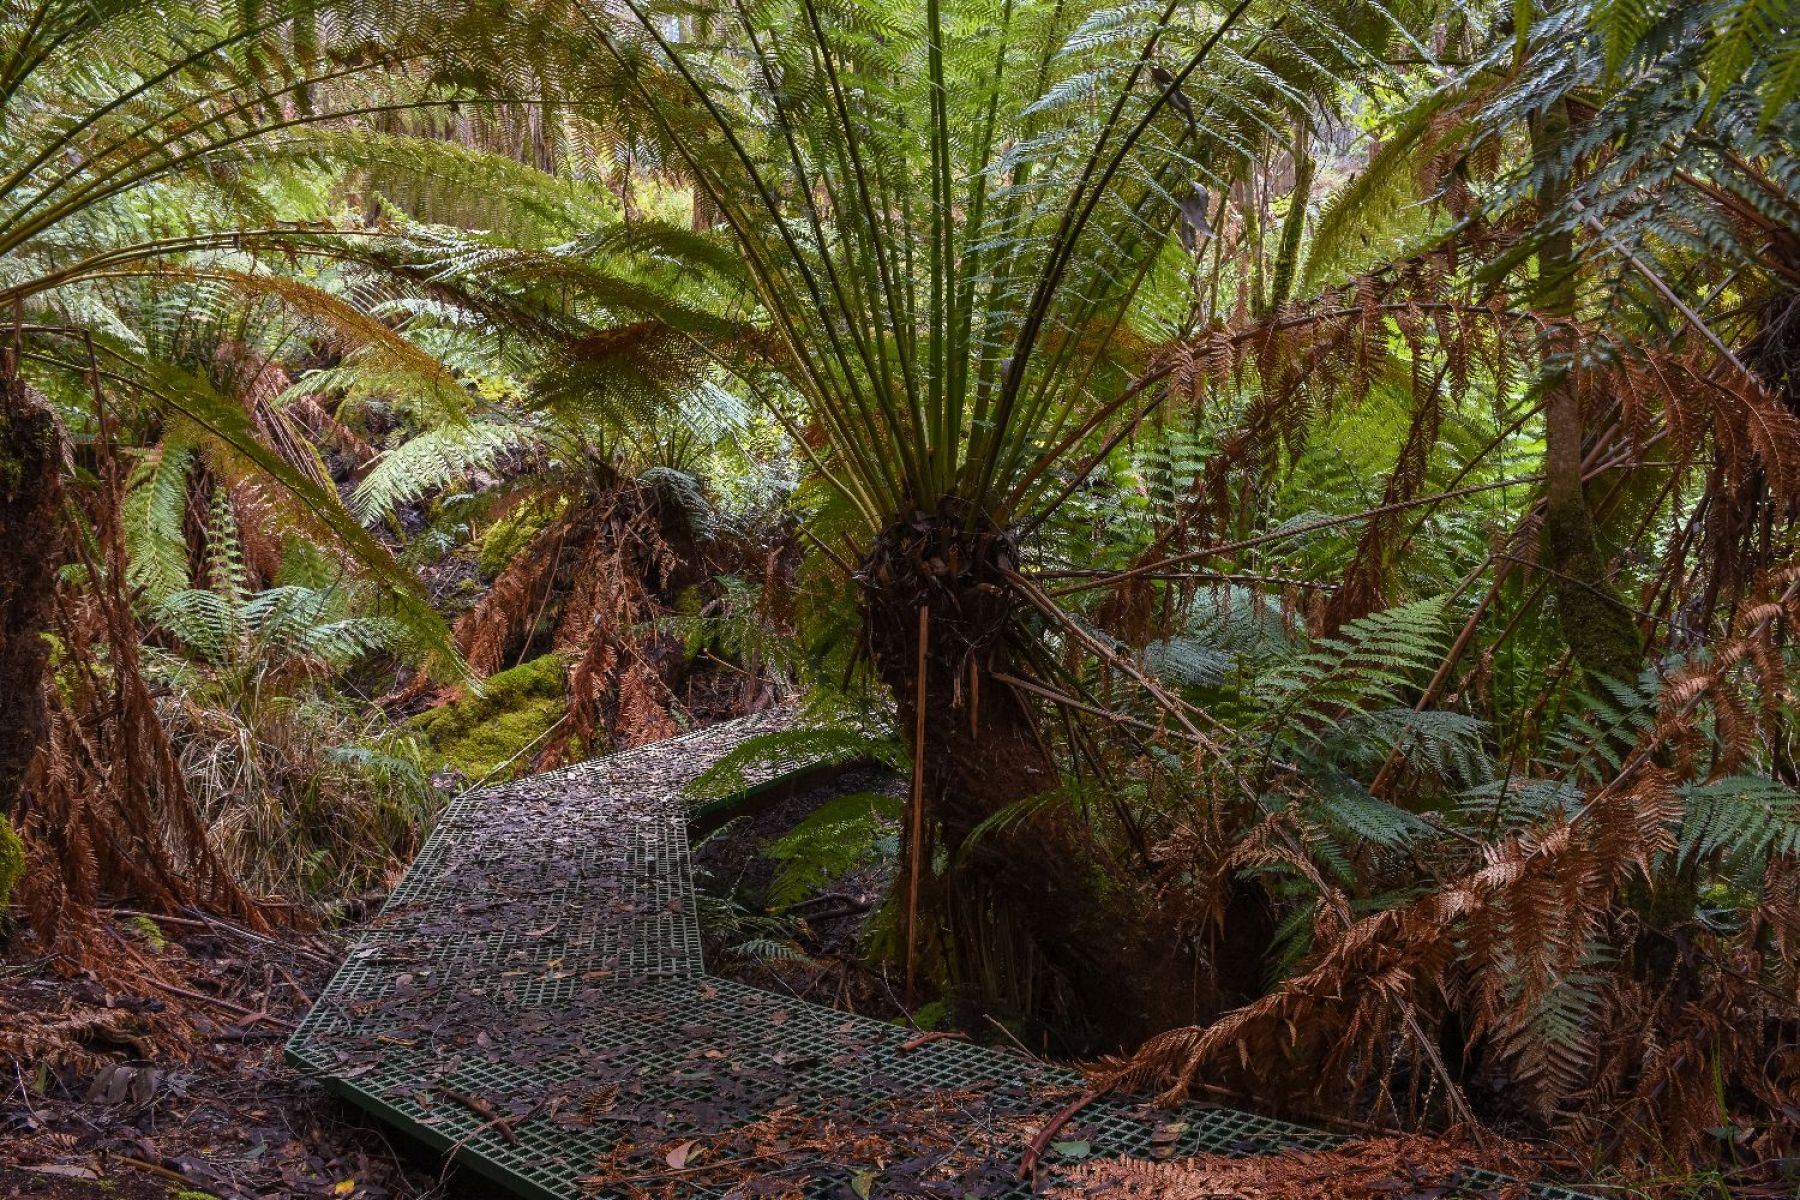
533 997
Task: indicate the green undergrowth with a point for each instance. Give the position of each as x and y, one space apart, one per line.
489 733
508 537
843 833
12 861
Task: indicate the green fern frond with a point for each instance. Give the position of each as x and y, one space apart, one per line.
1365 666
1746 820
791 749
154 518
841 834
1368 819
397 592
433 460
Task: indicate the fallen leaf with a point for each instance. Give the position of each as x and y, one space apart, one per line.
1162 1135
678 1157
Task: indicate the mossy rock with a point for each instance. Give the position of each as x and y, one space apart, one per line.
12 861
478 734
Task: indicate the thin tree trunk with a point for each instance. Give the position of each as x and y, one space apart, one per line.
31 533
1599 629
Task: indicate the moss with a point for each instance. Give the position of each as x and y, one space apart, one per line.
479 733
511 534
1599 629
148 932
931 1015
12 861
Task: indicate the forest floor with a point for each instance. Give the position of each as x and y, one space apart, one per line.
157 1073
169 1083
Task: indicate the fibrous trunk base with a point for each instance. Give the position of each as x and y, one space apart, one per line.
1036 932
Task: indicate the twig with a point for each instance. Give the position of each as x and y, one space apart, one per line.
227 1005
918 809
172 989
494 1122
935 1035
1068 701
1041 1142
482 1108
1167 702
1012 1037
154 1169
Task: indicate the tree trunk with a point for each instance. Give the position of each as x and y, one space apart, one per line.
31 533
1599 629
1032 930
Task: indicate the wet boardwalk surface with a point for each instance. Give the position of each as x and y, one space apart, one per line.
533 996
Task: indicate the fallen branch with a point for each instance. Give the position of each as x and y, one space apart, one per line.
244 1014
1041 1142
482 1108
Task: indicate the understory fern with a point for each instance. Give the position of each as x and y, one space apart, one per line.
1744 821
843 833
154 519
432 460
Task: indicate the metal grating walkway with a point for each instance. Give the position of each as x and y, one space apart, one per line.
533 995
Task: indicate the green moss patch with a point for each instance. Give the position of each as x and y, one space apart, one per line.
12 861
147 932
479 734
509 536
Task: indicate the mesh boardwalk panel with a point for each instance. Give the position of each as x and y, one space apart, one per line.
540 963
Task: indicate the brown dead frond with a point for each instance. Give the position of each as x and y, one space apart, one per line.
105 806
1365 1170
1544 957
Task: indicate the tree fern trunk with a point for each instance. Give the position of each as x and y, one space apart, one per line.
31 534
1032 930
1599 628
